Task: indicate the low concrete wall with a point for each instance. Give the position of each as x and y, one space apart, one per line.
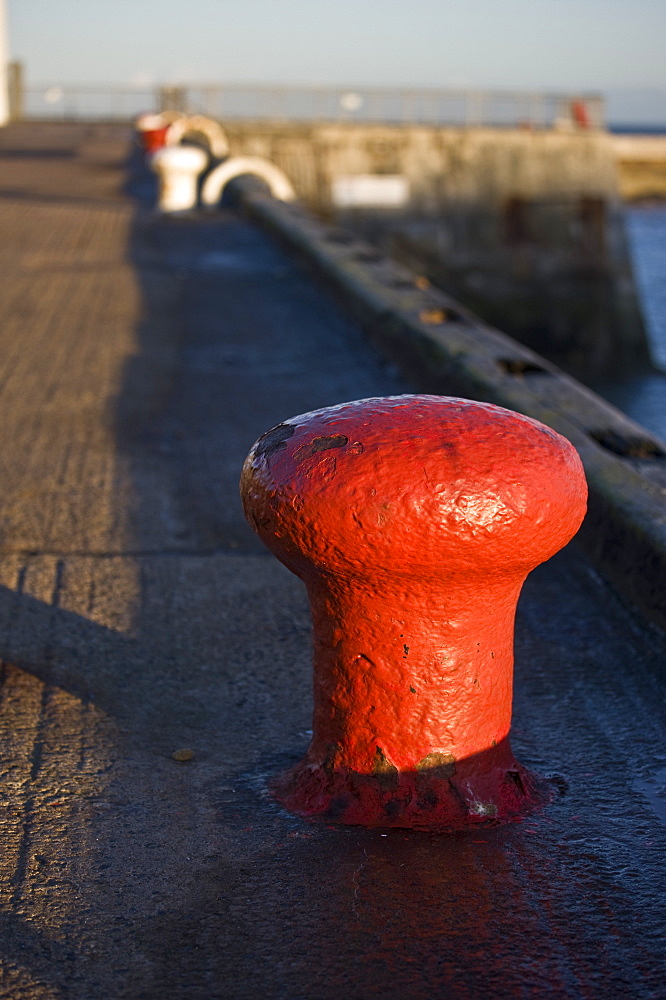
641 166
446 349
524 226
442 165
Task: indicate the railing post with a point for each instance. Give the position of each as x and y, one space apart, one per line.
4 67
172 99
15 89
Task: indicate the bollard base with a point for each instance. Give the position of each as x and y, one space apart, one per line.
489 787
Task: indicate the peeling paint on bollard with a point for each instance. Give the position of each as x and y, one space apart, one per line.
413 521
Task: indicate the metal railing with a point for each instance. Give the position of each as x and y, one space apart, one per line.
95 103
468 108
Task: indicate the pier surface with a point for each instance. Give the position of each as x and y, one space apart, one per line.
140 358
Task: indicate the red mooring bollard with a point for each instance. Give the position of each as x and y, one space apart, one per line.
152 131
413 521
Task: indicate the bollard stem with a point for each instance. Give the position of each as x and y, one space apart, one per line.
410 670
412 706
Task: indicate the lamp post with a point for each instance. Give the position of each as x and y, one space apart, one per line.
4 62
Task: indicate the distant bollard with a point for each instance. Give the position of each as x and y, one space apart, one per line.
152 131
413 521
178 169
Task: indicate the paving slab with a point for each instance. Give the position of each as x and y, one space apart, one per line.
140 357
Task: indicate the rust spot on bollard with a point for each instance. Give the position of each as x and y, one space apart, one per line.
413 521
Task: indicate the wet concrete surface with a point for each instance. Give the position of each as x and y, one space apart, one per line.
138 615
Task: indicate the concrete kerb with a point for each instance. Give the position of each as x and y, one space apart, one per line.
446 349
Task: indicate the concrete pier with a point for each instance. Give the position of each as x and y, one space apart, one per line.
140 358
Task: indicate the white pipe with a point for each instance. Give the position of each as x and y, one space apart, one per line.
236 166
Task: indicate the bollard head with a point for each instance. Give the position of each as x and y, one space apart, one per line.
190 159
415 485
413 521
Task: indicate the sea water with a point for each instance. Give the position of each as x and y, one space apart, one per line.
643 396
646 229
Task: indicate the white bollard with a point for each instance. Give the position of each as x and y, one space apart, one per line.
178 168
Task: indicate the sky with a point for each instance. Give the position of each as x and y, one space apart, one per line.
617 47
